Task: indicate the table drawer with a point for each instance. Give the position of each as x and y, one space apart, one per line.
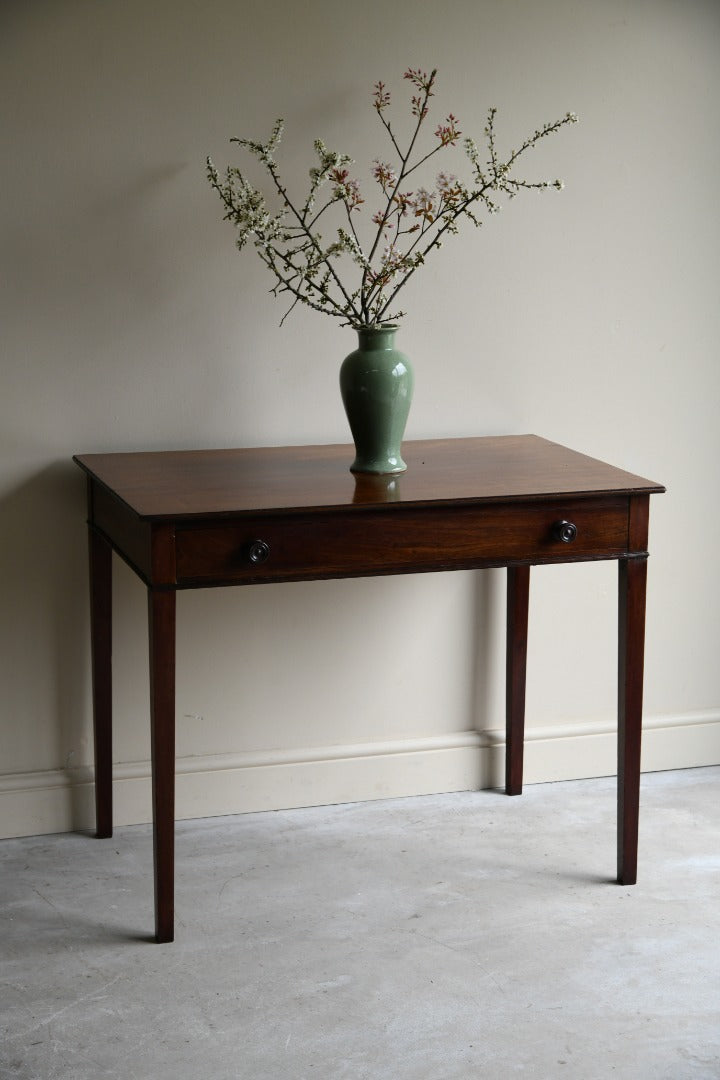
292 546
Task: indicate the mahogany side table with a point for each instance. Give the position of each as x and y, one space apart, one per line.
200 518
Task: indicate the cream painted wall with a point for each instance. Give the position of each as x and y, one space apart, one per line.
129 321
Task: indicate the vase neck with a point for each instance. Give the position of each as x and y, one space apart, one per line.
377 337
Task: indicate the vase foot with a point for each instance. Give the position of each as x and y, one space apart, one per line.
390 468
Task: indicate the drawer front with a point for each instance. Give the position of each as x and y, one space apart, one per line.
366 542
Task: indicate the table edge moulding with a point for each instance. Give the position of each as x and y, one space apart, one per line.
188 519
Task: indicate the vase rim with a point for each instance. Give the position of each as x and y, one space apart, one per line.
372 327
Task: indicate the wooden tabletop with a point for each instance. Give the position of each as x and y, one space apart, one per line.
176 484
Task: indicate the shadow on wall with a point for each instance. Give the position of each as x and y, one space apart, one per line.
44 623
44 637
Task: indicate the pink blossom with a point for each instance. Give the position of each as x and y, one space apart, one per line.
448 188
421 79
403 201
418 109
381 98
384 174
448 133
347 188
423 205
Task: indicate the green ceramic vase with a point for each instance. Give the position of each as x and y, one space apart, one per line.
376 383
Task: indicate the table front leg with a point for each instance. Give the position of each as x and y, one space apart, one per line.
100 553
161 618
518 595
631 651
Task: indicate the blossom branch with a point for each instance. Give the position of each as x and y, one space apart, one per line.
408 225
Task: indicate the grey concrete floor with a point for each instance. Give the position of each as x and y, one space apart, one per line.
437 938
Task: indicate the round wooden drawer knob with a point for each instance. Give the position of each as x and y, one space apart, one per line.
258 551
565 531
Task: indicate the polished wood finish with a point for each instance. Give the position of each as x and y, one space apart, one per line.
518 596
193 519
161 626
182 484
408 540
631 657
101 662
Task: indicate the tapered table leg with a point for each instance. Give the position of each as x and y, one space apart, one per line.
518 594
101 650
161 618
631 649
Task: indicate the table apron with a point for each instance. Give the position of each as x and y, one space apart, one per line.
369 543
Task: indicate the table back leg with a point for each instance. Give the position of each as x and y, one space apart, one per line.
161 618
518 595
100 553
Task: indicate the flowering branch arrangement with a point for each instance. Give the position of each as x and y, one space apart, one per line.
410 220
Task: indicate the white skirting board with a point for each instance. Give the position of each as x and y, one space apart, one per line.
62 800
